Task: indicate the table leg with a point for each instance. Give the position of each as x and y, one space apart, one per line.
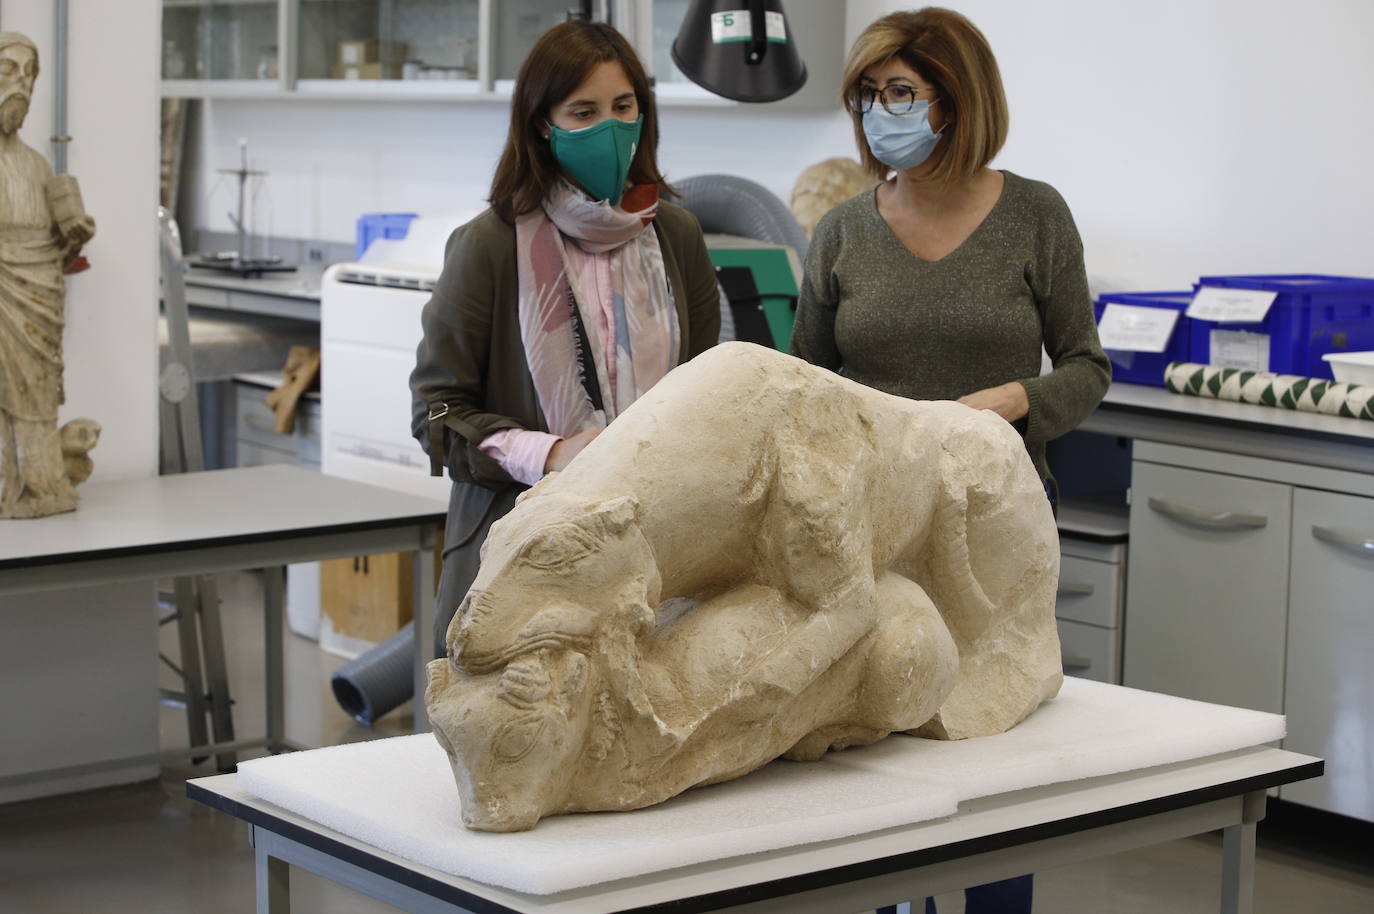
424 611
274 596
273 882
1238 857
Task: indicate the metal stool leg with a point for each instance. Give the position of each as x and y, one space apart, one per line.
216 669
188 634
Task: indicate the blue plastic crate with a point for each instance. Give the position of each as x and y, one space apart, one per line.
372 226
1148 367
1311 316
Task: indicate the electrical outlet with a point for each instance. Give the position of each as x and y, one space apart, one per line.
315 255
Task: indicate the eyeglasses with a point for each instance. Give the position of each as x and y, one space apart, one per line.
897 99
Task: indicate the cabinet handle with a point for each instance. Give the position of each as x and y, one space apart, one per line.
1344 539
1077 663
1220 520
1074 589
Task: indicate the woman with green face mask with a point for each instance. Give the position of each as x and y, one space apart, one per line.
566 300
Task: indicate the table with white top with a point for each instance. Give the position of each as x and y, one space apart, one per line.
197 523
990 838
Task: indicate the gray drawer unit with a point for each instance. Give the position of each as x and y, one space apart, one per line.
1090 651
256 439
1089 605
1091 580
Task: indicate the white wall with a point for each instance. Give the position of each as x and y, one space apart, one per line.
1192 137
1189 137
329 162
110 343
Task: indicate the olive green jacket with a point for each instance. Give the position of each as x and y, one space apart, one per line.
470 364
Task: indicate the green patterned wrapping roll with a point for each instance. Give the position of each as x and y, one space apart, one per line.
1286 391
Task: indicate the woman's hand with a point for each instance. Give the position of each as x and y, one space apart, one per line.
562 452
1007 400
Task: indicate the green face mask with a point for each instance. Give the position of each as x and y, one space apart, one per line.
598 157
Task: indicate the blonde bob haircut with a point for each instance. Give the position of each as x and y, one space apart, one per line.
950 53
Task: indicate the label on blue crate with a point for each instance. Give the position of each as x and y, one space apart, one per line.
1231 306
735 25
1135 328
1239 349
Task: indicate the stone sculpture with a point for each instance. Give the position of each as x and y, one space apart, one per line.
43 226
825 185
758 559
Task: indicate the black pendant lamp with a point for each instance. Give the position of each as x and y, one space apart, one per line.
739 49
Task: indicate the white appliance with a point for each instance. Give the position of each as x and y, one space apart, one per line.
369 328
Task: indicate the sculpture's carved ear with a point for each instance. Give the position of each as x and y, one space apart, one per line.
616 515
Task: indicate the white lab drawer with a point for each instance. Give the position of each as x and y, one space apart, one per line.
1090 652
382 318
1089 591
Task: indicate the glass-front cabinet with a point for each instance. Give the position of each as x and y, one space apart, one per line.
364 42
437 49
222 40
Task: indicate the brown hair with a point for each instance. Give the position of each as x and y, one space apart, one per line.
951 54
557 64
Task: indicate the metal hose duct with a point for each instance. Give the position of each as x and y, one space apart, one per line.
731 205
378 681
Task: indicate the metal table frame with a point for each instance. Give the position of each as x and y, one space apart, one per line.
988 839
305 516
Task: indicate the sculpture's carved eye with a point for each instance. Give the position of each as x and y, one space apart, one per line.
557 546
515 739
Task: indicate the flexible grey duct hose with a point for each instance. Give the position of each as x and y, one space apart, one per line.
374 683
731 205
380 680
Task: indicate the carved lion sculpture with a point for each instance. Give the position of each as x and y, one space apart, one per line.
757 559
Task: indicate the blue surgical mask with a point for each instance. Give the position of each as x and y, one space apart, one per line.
598 157
900 141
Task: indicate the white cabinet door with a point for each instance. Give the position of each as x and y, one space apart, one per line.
1207 590
1330 678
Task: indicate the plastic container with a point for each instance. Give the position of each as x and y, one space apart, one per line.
372 226
1148 367
1352 367
1312 316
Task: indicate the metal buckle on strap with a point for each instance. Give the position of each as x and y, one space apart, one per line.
439 413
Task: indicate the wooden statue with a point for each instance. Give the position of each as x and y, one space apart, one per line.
759 558
43 225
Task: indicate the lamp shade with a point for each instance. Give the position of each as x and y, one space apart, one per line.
739 49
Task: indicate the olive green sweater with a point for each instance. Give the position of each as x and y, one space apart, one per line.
976 318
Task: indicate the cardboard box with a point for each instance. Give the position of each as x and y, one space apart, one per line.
366 71
371 50
368 597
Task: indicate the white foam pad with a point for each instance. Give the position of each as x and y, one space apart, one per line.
1088 730
398 794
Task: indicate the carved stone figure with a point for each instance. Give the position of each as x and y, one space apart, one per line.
759 558
43 226
825 185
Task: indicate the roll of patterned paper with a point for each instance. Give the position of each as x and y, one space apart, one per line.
1285 391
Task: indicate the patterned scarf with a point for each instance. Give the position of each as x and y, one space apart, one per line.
551 304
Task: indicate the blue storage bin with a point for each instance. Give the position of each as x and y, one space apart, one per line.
372 226
1311 316
1148 367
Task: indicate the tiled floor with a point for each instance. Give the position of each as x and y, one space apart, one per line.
146 848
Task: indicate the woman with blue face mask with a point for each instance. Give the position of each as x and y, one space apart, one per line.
565 301
945 281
